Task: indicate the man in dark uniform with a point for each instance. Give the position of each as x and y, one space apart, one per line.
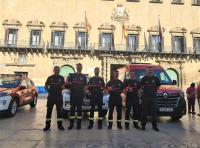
115 88
54 85
132 100
149 84
96 86
77 83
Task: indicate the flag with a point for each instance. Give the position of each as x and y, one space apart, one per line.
160 36
124 32
87 25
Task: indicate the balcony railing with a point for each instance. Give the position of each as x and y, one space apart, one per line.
22 44
107 48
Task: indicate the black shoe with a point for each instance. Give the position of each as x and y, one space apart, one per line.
109 126
127 127
46 128
61 128
90 126
119 126
194 113
156 129
99 126
143 128
136 126
189 112
70 127
78 127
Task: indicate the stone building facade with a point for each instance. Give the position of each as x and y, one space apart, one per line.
36 35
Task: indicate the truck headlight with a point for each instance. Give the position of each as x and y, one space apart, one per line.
181 94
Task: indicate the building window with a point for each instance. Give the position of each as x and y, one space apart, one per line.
155 43
132 42
57 39
82 40
155 1
11 37
177 2
107 41
22 59
35 38
196 44
178 44
196 2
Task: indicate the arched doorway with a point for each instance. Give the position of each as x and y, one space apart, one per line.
65 70
173 74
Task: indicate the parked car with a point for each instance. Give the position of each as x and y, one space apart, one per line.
16 91
169 99
86 103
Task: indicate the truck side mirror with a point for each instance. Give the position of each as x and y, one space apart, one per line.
174 82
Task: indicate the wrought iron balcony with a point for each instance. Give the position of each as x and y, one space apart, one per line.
22 44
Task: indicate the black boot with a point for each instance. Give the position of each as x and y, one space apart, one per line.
78 124
99 124
136 125
90 126
127 126
155 128
119 126
60 126
48 126
71 124
109 125
143 128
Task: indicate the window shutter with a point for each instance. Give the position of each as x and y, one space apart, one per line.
62 39
184 44
52 39
40 36
86 46
31 37
127 42
150 43
6 37
112 44
76 39
162 45
173 43
194 45
137 43
100 40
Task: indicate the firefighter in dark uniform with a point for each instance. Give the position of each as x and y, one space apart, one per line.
96 86
115 88
149 84
54 85
132 100
77 85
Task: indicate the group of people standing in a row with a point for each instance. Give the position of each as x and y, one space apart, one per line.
78 86
193 93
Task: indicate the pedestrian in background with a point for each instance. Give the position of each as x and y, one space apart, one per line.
191 91
198 98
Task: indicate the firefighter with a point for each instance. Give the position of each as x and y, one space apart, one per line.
54 85
115 88
77 85
96 86
132 100
149 84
